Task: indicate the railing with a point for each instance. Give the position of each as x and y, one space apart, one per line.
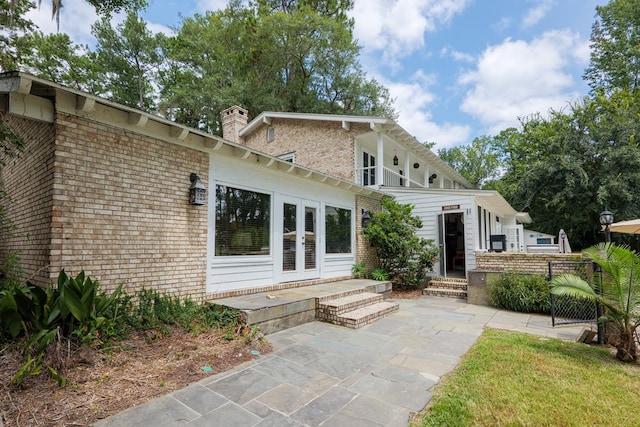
367 176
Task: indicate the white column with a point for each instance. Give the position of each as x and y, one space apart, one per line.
407 171
380 160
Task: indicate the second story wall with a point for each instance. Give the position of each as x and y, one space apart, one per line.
320 145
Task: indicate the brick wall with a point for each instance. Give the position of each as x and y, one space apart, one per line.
121 212
521 262
364 251
28 180
319 145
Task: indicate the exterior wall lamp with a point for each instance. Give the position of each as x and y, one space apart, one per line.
606 219
432 178
366 218
197 191
395 158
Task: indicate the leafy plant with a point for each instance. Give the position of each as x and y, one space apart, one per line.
380 274
404 255
525 293
359 270
617 290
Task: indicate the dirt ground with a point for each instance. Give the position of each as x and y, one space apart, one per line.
101 383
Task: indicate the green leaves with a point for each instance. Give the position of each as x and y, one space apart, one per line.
405 256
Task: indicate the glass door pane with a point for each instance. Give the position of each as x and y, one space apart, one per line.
310 221
289 237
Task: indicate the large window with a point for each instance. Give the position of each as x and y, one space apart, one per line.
369 169
242 222
338 230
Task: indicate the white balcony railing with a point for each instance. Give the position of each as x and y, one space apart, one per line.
367 176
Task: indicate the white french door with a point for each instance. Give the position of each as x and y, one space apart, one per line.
300 252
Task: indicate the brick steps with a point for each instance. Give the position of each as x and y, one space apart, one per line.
446 287
354 311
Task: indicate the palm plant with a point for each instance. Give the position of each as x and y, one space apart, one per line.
618 291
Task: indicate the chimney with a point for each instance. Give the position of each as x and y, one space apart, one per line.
233 119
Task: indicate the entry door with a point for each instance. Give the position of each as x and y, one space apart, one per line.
299 240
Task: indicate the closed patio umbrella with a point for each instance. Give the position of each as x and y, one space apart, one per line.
630 227
563 243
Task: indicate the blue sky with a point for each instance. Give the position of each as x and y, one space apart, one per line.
458 69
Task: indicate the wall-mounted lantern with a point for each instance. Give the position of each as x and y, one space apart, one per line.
395 158
432 178
366 218
197 191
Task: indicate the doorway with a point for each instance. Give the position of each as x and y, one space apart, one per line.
452 247
300 255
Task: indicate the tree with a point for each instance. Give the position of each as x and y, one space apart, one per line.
404 255
566 168
268 56
615 47
618 292
129 58
478 162
13 28
55 57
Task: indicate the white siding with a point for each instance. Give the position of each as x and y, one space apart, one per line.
429 206
235 273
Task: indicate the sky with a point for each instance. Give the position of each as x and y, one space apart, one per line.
457 69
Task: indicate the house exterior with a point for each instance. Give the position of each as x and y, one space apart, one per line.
378 153
105 188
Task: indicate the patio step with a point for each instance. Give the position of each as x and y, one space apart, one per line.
446 287
355 310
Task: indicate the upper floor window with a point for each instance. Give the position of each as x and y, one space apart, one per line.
289 157
368 169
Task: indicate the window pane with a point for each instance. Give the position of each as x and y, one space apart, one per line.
242 222
338 228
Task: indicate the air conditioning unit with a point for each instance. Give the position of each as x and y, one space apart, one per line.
498 242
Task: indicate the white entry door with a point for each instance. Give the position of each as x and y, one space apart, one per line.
300 254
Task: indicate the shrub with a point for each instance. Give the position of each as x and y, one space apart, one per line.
525 293
404 255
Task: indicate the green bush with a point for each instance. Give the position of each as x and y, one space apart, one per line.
525 293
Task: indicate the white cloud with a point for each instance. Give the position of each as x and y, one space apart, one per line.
397 27
211 5
535 14
458 56
76 18
518 78
417 99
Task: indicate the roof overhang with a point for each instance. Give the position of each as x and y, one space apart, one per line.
30 97
489 198
378 124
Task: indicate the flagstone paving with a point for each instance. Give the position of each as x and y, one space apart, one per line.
325 375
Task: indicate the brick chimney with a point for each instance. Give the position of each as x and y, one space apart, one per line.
233 119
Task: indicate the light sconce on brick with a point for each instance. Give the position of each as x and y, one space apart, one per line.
197 191
366 218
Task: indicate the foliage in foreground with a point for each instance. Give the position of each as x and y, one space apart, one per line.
76 312
511 379
524 293
618 291
403 255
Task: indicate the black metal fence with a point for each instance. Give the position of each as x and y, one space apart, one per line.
565 309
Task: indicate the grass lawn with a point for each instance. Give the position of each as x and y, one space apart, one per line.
513 379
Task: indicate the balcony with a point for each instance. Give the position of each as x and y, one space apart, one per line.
367 176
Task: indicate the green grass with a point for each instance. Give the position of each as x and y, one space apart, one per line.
513 379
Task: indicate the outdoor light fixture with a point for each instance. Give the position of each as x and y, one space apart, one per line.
366 218
395 158
197 191
416 165
606 219
432 178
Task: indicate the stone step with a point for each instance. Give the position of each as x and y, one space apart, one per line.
444 292
332 308
363 316
443 283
